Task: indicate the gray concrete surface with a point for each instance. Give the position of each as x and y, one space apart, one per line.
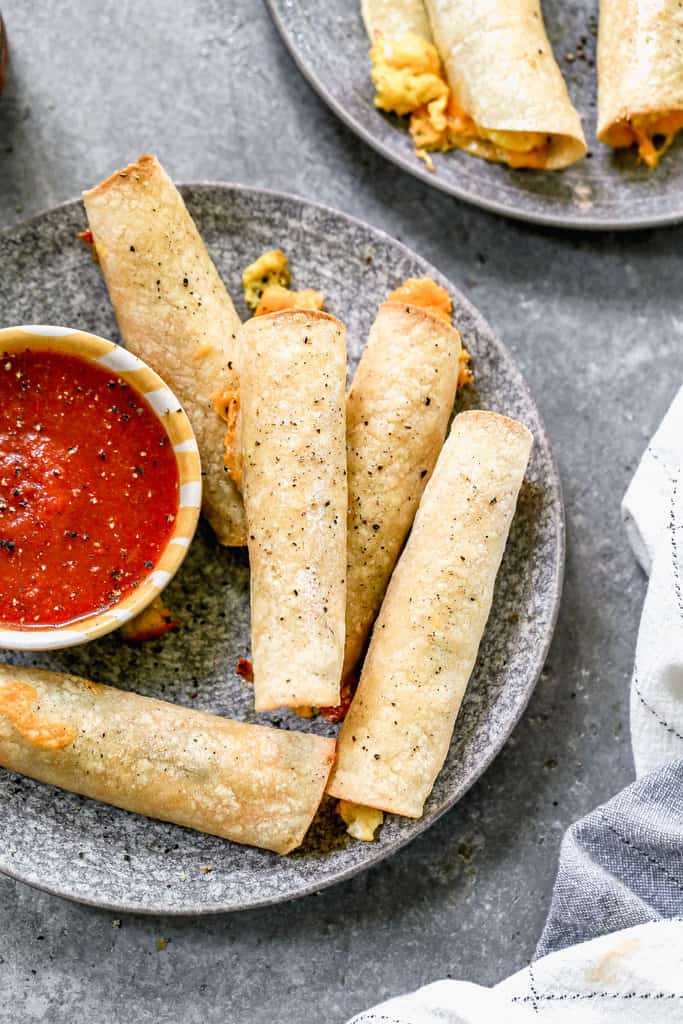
595 323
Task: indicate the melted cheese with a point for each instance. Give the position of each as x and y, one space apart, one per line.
641 129
423 292
465 372
275 298
227 404
18 705
266 286
409 79
362 822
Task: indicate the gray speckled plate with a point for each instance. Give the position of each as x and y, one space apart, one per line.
605 190
99 855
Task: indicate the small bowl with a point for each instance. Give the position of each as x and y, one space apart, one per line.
176 425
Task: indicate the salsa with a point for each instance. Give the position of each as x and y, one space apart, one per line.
89 488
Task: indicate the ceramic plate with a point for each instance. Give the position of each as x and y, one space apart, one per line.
99 855
605 190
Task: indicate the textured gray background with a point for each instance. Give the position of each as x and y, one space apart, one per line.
596 326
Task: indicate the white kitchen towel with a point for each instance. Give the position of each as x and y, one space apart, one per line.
653 516
633 976
623 863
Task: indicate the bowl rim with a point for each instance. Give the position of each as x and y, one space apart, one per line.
174 421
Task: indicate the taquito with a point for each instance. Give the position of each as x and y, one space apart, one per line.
174 312
293 379
242 782
509 100
397 414
640 75
396 735
393 18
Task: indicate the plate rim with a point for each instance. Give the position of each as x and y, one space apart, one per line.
420 825
421 172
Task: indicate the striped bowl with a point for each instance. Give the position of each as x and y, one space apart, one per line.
179 432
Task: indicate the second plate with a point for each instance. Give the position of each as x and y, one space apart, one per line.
603 191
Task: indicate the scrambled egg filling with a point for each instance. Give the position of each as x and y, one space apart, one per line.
269 269
643 130
423 292
362 822
407 73
266 286
409 79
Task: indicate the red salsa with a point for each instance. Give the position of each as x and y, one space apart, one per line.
88 489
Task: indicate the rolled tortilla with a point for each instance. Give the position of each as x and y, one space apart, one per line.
504 77
395 18
173 311
293 378
243 782
397 415
640 74
396 735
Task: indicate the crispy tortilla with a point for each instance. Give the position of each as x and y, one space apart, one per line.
173 311
395 18
242 782
397 415
293 380
396 735
640 73
503 74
